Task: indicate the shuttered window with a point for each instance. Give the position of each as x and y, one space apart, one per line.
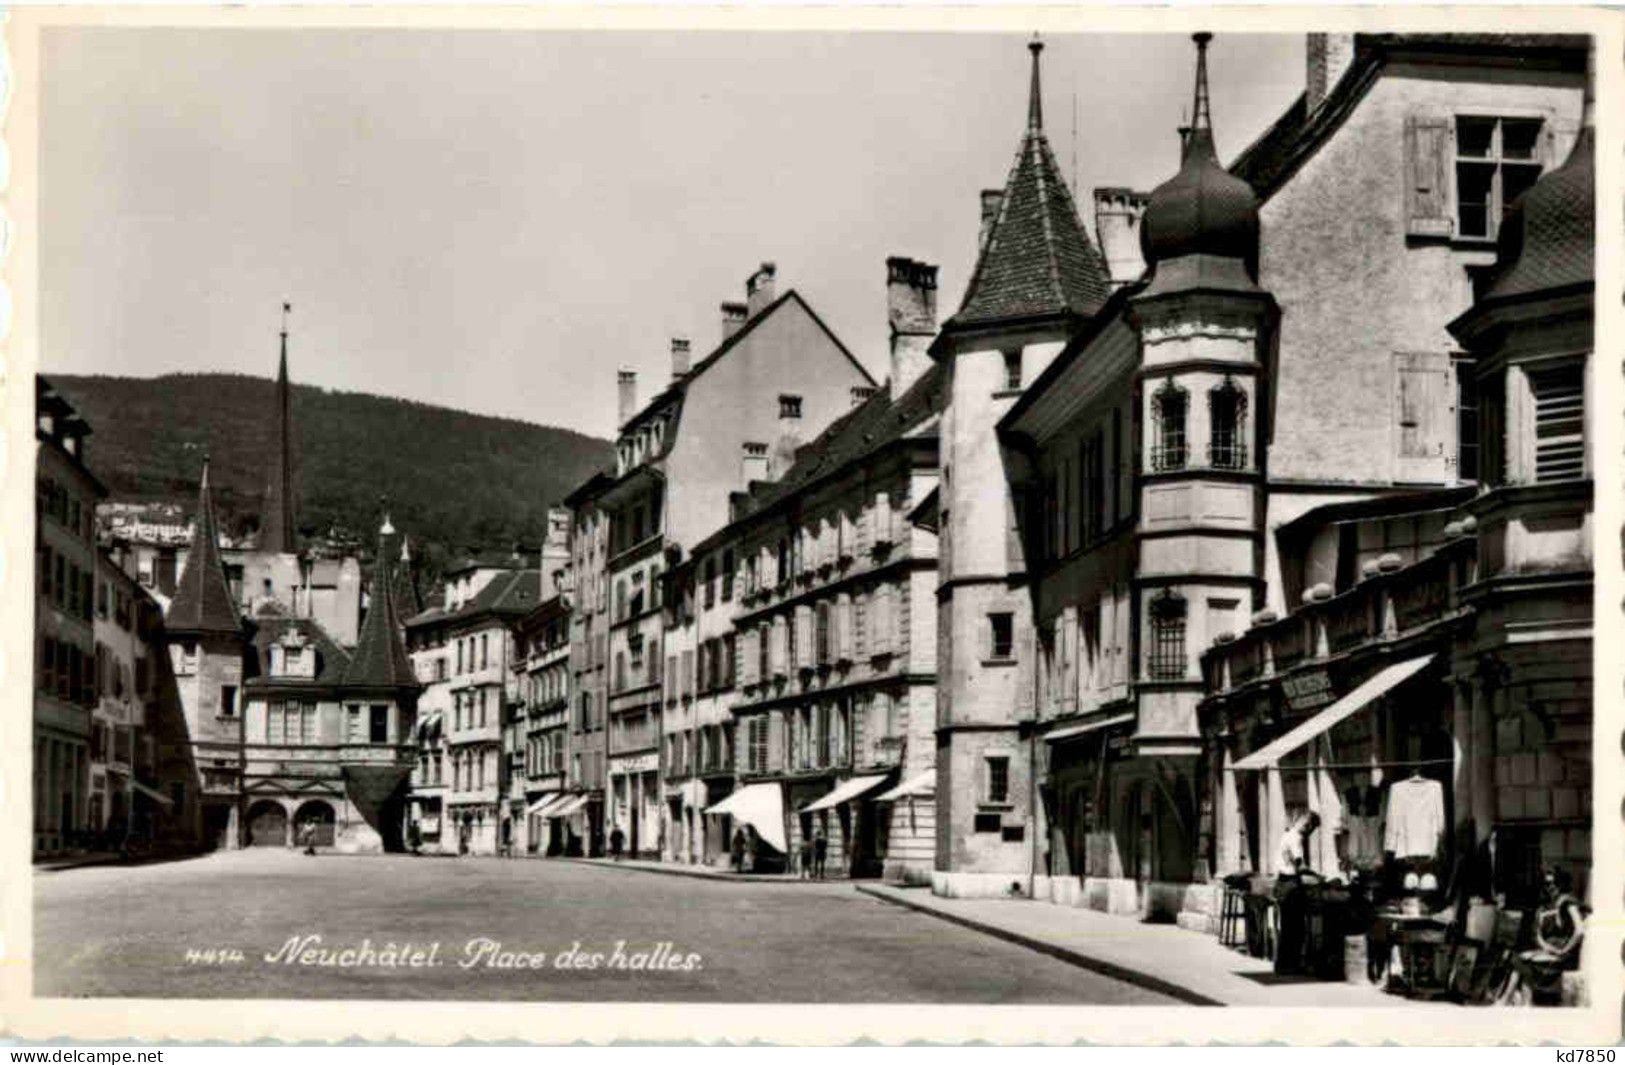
1559 396
1423 406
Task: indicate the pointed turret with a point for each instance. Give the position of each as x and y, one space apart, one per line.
277 526
407 600
203 602
380 659
1037 260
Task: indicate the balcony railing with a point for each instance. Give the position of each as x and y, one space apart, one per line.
1227 455
1169 457
1383 606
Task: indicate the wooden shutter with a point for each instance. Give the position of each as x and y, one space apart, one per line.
882 524
843 628
804 637
1427 175
881 625
1559 402
1422 410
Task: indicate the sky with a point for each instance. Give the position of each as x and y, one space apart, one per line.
497 221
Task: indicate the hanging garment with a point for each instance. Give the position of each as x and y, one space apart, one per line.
1364 840
1415 821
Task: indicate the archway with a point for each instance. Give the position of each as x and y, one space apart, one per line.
267 824
318 814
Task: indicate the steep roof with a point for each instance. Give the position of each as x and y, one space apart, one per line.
272 622
380 659
408 602
1037 259
1549 239
202 602
277 525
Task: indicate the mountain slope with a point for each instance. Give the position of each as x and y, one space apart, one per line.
455 481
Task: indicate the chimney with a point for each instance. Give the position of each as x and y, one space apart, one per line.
784 453
759 289
1117 231
1328 56
991 200
911 310
626 382
733 317
679 358
753 464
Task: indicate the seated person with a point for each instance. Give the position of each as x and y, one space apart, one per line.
1559 923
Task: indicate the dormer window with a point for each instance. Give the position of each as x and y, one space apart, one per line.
789 406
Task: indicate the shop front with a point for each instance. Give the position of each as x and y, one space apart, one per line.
635 804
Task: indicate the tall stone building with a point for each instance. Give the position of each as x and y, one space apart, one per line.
1038 280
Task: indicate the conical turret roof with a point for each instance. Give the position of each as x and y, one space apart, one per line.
202 601
380 659
1548 239
1038 259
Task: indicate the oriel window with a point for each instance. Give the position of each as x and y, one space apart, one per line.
1167 654
1169 405
1227 411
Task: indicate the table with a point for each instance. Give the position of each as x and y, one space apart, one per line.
1414 942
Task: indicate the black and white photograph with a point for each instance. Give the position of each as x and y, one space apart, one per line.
961 516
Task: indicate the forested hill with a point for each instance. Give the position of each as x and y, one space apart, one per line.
455 481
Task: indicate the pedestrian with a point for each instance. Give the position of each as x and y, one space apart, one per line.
1291 895
739 850
820 852
307 836
617 840
414 837
806 858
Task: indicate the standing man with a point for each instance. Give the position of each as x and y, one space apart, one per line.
820 851
1291 865
307 836
739 850
617 839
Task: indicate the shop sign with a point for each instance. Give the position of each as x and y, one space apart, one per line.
1306 691
1119 745
637 763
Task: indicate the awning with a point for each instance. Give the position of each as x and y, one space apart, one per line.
1087 726
152 793
923 784
761 806
1373 689
569 806
547 799
845 792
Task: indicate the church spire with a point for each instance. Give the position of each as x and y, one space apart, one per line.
1035 96
203 602
380 659
277 524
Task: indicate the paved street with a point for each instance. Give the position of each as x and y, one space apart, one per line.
126 931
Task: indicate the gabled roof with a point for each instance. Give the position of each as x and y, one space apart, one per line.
202 602
673 393
512 594
1278 152
272 622
380 659
1037 260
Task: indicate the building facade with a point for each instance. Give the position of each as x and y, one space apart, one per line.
537 737
65 497
776 369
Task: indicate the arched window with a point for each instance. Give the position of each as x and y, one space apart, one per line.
1168 409
1227 414
1167 655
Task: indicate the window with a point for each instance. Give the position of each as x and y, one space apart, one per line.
789 406
459 656
1001 626
1012 370
1167 654
1466 422
1168 406
1497 159
228 700
378 723
998 780
727 575
1559 396
710 581
757 737
485 650
1227 406
822 641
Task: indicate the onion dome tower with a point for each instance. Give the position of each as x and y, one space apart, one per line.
1204 326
